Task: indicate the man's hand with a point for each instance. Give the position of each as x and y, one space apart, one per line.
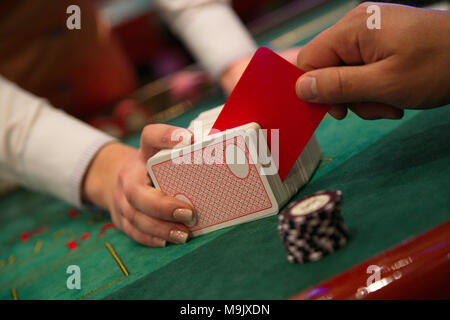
379 72
117 180
233 73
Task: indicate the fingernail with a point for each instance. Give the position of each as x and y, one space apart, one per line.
183 215
307 88
182 136
185 139
178 236
160 242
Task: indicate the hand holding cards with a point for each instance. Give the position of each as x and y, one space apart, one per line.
232 176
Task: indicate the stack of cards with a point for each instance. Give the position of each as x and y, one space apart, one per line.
299 173
229 177
249 156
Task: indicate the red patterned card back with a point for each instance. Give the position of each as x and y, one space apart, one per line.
216 193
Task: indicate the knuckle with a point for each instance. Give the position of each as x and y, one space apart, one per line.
336 91
149 227
164 208
302 58
130 191
130 214
157 211
117 196
340 89
128 229
157 205
121 177
134 234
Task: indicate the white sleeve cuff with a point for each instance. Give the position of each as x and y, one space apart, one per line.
212 32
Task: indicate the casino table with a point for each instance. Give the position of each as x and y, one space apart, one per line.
393 175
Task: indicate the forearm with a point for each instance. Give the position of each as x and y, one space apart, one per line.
211 30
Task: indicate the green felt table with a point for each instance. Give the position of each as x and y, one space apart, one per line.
393 174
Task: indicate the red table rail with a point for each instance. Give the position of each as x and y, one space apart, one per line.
416 269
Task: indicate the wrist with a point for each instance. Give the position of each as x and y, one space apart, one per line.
101 176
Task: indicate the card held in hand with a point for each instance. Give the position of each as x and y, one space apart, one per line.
222 177
265 94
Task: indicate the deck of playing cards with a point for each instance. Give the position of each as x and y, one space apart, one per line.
229 177
250 155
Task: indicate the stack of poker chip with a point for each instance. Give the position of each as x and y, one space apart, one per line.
313 227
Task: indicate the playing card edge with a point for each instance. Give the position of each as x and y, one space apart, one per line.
244 219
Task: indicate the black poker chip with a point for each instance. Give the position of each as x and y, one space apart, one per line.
313 227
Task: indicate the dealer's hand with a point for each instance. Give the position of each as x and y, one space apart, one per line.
117 180
379 72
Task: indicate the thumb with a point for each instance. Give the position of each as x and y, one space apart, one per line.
159 136
342 84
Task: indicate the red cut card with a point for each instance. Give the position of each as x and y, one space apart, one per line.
265 94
